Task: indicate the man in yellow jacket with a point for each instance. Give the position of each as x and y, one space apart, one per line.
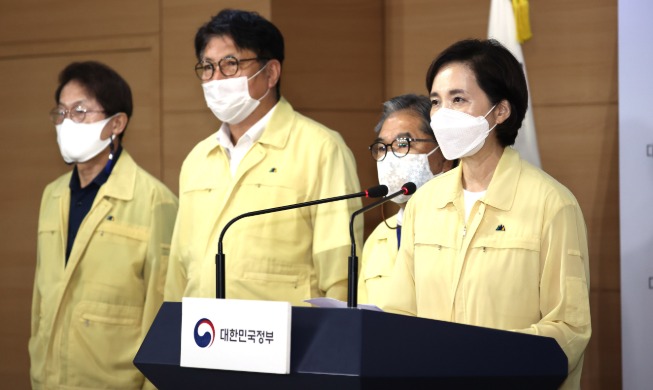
103 243
264 155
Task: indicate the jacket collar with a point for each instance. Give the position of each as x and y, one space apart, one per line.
282 121
501 191
120 184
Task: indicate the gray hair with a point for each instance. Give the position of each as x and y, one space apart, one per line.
418 105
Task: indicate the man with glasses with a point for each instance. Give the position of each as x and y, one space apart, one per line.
103 240
405 150
264 155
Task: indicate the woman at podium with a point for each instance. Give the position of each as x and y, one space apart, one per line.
495 242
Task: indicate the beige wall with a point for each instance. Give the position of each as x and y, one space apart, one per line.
344 57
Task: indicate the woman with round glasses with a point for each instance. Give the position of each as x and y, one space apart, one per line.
405 150
103 240
495 242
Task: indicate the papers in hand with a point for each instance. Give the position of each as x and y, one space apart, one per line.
334 303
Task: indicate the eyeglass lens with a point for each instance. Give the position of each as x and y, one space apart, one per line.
77 114
400 147
228 67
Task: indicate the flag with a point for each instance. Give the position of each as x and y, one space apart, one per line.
503 27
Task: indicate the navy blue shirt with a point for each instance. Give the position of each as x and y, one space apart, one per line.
398 235
81 199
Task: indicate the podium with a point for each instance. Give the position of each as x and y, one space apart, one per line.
361 349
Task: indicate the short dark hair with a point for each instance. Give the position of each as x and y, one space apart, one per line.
498 74
418 105
249 30
102 83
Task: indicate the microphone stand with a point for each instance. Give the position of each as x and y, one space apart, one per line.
352 288
373 192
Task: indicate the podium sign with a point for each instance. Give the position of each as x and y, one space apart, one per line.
237 335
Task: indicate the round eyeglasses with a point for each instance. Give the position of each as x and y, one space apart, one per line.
228 66
77 114
400 147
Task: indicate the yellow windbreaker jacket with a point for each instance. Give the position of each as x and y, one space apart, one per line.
519 263
378 261
285 256
89 317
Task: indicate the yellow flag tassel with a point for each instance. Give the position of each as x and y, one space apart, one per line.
522 20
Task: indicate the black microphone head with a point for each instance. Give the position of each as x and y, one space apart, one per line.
409 188
377 191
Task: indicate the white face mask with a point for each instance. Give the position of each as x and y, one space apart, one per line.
229 98
460 134
395 172
80 142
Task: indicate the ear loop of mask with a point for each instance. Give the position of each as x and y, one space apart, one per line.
488 113
261 70
433 151
109 166
256 74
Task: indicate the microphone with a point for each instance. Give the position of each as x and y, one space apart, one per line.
352 291
373 192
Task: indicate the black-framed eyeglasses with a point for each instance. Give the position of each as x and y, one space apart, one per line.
228 66
400 147
77 114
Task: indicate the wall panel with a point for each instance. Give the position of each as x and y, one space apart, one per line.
602 366
572 58
43 21
334 53
416 30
